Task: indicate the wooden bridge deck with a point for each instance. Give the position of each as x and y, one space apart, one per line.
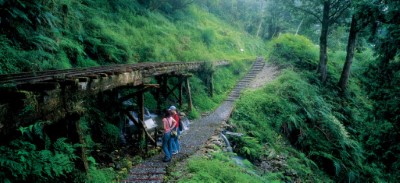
129 73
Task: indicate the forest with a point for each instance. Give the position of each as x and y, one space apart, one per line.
331 115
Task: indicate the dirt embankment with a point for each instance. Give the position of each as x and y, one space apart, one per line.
266 75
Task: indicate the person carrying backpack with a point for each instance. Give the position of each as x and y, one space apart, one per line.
167 144
178 128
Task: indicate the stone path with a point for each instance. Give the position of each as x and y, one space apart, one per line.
153 169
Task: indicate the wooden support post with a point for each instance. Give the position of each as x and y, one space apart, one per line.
155 138
140 101
83 146
161 92
165 86
139 125
77 136
189 95
157 95
180 100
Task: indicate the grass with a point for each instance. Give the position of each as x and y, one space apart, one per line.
219 167
121 32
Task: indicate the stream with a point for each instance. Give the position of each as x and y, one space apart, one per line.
236 158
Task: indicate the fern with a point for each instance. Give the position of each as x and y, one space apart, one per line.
43 42
21 160
34 129
294 107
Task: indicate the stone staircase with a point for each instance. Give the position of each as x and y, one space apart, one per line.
256 68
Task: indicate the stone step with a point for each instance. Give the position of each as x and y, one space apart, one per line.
247 78
150 177
251 75
138 171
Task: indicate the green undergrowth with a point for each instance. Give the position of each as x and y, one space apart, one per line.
297 51
23 161
312 126
217 167
72 33
39 156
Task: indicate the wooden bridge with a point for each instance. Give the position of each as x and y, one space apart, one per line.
54 95
47 91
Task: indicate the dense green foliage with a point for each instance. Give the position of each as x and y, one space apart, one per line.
63 34
218 168
39 156
313 119
381 82
298 51
24 159
296 109
382 127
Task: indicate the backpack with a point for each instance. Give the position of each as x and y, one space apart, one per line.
180 124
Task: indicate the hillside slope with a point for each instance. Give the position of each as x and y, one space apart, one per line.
58 35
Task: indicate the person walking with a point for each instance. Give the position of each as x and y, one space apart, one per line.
175 140
169 124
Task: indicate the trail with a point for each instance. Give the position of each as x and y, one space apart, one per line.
153 169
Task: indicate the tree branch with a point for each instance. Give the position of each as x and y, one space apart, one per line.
334 4
339 12
311 13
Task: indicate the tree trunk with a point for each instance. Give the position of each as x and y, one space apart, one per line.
298 27
323 42
259 28
351 44
261 18
270 31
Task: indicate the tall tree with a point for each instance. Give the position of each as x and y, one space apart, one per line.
362 16
327 12
351 44
279 18
262 10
